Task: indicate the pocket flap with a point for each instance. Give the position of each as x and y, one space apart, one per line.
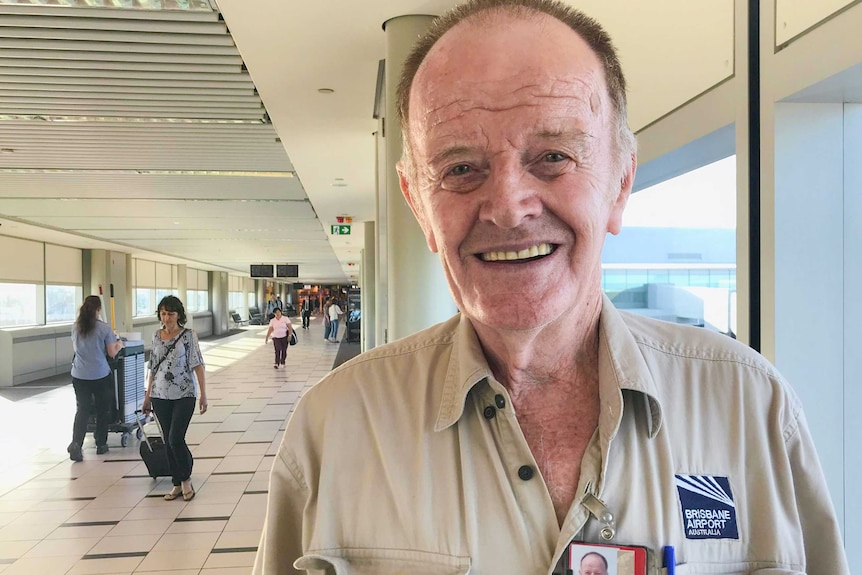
382 562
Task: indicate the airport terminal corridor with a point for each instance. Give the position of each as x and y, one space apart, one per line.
106 515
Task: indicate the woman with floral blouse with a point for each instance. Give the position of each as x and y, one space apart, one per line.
175 363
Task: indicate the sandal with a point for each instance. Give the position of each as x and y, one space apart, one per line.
174 493
190 494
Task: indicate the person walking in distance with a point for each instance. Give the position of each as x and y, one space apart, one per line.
327 323
334 313
280 330
306 312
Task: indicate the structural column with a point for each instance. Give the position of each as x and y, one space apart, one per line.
219 301
103 268
418 294
368 291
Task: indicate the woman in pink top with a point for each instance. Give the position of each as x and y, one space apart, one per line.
279 329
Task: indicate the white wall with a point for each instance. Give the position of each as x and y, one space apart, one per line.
852 224
31 353
809 272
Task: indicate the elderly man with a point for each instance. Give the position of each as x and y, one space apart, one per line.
540 414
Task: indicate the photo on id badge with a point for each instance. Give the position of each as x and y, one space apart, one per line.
595 559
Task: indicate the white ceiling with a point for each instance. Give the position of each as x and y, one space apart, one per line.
276 161
97 150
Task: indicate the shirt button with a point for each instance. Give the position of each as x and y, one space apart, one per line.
490 412
525 472
500 401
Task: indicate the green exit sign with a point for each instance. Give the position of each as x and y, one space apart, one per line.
341 230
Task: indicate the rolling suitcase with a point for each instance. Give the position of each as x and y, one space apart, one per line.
153 451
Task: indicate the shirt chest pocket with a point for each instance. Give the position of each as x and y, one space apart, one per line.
381 562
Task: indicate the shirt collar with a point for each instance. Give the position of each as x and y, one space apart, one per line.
621 367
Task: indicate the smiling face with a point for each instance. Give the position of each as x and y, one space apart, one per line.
515 175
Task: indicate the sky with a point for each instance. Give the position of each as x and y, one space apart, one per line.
702 198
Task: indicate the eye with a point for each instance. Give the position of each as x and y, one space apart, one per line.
554 157
460 170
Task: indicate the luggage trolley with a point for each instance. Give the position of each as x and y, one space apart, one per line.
129 388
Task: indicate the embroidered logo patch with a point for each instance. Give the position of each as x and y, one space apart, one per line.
708 510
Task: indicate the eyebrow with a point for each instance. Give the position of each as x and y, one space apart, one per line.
573 136
449 153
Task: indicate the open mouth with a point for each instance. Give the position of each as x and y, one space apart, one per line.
527 254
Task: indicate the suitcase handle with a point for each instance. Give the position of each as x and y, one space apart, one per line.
144 433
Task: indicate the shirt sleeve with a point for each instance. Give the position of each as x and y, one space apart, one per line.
824 550
281 539
153 350
193 351
109 337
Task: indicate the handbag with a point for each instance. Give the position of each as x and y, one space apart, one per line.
292 340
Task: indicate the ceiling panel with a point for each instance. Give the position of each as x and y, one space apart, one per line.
209 210
143 128
118 186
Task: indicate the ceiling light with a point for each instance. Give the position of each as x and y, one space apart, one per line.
187 5
124 119
325 90
146 173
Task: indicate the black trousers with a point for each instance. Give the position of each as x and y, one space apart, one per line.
306 318
93 394
280 344
174 417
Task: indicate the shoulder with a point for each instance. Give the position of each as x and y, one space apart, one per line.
695 344
693 365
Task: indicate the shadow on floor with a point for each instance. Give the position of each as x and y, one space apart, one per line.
227 333
27 390
346 351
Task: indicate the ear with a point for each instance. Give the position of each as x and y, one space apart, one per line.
415 206
627 180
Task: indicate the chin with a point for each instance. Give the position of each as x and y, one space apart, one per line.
505 314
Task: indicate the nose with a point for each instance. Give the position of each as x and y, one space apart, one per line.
511 196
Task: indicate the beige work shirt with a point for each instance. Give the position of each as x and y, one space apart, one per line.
410 459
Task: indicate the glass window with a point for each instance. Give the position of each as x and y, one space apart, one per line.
658 276
698 278
198 300
251 299
145 302
679 236
19 304
61 302
615 281
679 278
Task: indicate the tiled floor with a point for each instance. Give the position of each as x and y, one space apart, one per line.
106 515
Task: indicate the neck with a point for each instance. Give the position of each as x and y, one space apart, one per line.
561 353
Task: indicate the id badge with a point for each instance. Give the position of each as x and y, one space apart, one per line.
599 559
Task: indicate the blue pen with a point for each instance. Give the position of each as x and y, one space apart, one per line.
669 560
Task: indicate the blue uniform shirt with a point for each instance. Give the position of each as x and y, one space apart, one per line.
89 361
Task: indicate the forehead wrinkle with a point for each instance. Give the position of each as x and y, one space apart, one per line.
498 95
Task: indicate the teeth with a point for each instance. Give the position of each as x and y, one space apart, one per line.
531 252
